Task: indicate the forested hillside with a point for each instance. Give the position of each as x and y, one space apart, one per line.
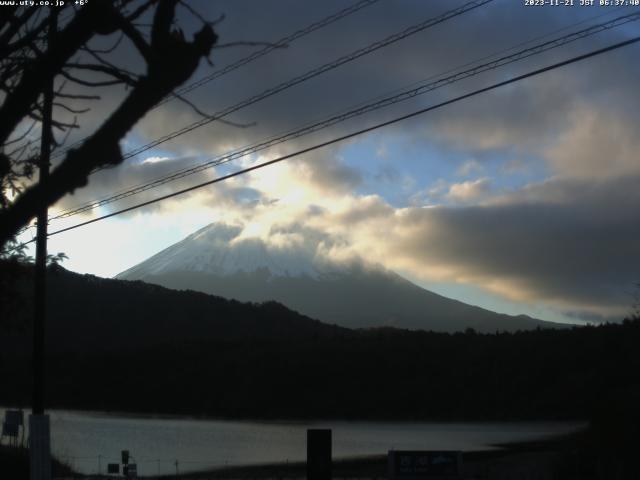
133 347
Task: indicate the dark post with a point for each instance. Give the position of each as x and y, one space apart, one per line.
39 443
41 247
319 454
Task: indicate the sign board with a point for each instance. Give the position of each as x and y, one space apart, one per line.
14 417
10 429
413 465
130 471
113 468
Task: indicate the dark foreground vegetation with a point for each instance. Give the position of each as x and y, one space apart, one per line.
581 456
378 374
14 464
128 346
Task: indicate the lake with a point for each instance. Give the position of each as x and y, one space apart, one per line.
90 440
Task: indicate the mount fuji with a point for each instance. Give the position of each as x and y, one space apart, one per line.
218 260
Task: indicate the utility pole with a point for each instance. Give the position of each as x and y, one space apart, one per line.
39 431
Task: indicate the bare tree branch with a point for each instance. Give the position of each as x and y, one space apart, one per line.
136 37
107 50
21 137
70 109
206 115
43 69
170 62
121 75
77 96
197 15
89 83
140 10
15 23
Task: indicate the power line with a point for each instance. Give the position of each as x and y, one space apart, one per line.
310 74
367 108
278 44
360 132
396 37
283 42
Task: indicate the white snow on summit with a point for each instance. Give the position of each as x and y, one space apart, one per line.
219 249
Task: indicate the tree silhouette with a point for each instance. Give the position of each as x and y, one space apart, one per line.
635 313
28 62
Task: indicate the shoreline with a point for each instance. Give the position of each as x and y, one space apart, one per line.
477 458
140 415
540 454
573 455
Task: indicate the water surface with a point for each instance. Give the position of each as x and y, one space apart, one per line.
89 440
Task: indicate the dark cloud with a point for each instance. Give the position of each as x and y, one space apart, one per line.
570 241
134 173
528 109
368 208
324 169
520 116
580 252
403 63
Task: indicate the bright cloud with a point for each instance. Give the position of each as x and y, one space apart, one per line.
564 237
472 190
155 159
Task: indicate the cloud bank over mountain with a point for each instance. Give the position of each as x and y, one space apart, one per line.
528 192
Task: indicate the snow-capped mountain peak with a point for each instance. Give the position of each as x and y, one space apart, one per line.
221 250
287 267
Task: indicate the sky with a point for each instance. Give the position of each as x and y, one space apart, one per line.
522 200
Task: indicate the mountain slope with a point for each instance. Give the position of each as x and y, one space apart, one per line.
89 314
217 260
